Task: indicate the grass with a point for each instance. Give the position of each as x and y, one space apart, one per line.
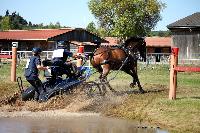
153 107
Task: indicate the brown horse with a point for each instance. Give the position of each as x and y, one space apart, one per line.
122 58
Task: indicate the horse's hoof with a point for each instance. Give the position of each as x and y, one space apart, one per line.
114 91
102 93
142 91
132 85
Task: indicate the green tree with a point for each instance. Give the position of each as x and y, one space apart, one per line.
7 13
17 22
102 32
5 23
91 27
160 33
51 26
57 25
126 18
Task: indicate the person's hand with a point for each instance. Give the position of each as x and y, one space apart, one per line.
75 56
47 67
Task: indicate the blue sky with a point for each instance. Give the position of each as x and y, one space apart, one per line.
75 13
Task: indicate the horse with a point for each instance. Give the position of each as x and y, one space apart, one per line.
123 58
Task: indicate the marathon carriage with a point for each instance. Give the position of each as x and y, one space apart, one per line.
57 84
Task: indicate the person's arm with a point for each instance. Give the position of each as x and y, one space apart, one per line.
41 67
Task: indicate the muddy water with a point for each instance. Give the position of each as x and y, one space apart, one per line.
71 124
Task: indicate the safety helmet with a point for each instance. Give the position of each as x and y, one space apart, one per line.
37 50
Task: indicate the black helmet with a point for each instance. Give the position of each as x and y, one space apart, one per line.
37 50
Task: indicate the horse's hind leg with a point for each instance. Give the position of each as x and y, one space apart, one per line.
138 82
132 85
135 79
106 70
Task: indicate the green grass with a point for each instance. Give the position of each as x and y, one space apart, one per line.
153 107
180 115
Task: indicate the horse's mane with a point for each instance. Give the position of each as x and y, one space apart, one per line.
133 39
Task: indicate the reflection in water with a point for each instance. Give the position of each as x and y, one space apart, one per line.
87 124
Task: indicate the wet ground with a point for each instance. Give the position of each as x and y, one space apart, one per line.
72 123
17 116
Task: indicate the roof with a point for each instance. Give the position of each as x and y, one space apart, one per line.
150 41
66 34
80 35
112 41
158 41
191 21
41 34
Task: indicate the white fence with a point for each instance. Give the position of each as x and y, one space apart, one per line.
152 58
158 58
23 55
27 54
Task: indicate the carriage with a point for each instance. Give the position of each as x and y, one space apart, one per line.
56 84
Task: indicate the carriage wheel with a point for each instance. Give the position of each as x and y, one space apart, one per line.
92 88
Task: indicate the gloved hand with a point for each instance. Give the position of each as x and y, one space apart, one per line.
49 69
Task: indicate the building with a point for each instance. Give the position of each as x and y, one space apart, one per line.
186 36
46 38
158 48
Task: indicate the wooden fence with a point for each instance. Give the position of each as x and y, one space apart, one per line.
174 68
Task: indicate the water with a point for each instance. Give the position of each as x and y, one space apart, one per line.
83 124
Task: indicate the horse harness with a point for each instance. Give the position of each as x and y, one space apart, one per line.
108 52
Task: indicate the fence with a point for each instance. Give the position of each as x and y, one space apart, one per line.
164 58
27 54
174 68
23 55
152 58
158 58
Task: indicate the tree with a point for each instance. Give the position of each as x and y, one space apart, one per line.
102 32
160 33
17 22
57 25
126 18
5 23
91 27
7 13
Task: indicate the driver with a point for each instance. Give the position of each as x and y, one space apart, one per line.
60 56
32 72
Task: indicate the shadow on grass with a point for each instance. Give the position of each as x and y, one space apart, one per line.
138 92
180 98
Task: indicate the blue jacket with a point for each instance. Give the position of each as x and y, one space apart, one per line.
32 73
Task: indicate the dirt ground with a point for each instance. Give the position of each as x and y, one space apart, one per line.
78 101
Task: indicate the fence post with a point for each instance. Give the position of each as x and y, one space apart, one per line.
173 73
14 61
80 53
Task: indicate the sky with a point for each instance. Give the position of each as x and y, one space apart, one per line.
75 13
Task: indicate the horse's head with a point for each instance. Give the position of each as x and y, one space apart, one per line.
137 46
